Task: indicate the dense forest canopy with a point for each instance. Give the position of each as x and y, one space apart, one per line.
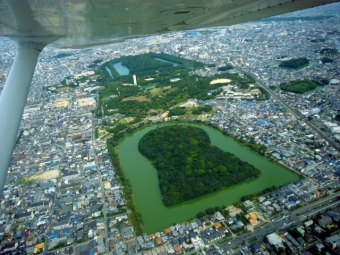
298 86
225 68
294 63
330 51
177 111
138 64
326 60
146 64
188 165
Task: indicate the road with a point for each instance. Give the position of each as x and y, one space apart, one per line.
104 210
295 217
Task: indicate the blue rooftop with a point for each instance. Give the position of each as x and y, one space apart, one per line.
260 123
89 165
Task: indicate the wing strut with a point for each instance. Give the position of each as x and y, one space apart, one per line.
13 100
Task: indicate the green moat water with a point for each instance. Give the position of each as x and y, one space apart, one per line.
144 181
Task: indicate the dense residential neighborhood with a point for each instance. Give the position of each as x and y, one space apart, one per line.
63 194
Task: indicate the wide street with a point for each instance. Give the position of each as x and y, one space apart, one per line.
295 217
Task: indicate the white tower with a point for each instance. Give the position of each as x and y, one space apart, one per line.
134 80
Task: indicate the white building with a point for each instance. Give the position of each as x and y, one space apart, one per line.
274 239
334 82
197 242
314 111
335 130
134 80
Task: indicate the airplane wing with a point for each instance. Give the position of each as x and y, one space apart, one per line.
81 23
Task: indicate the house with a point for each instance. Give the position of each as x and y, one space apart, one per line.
211 235
29 241
217 225
317 193
301 241
38 247
308 196
61 225
178 248
158 241
218 216
333 241
248 204
119 251
291 239
308 237
300 230
171 252
174 242
127 233
277 207
334 215
325 220
187 247
194 225
70 175
165 239
319 246
71 186
38 206
9 247
322 191
246 251
274 239
197 242
255 247
252 218
309 223
26 216
290 204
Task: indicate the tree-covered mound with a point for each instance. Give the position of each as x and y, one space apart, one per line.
327 60
156 91
294 63
298 86
188 165
330 51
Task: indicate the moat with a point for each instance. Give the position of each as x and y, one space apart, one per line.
144 181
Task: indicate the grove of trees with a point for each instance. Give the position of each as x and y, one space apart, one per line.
201 109
329 51
298 86
326 60
294 63
225 68
177 111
